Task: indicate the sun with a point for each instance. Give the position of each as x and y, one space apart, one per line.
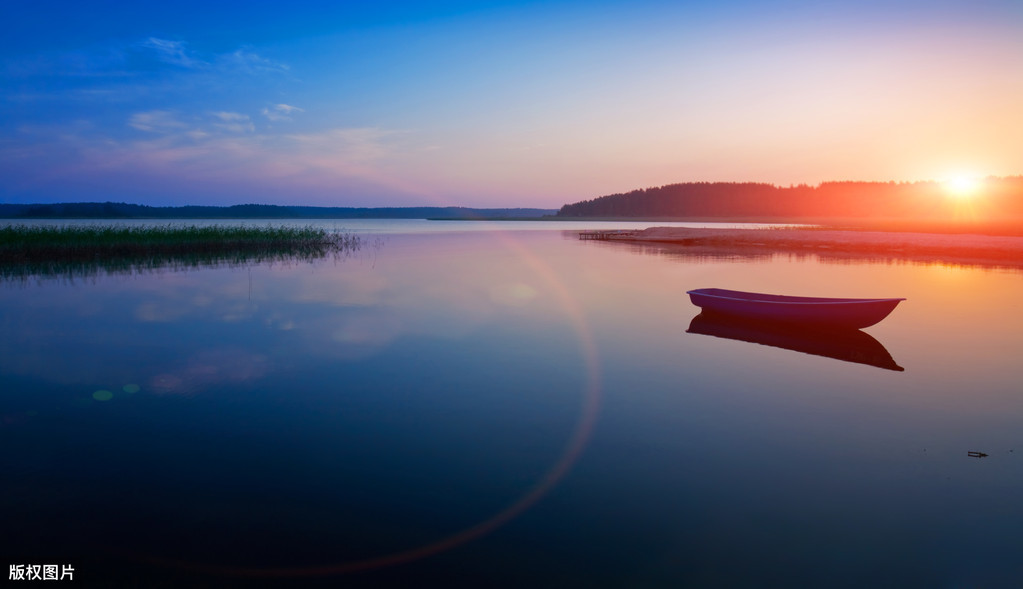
962 186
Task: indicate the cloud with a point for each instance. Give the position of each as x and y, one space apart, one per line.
173 52
357 144
230 116
165 122
155 121
219 152
234 122
133 72
246 61
242 60
281 112
361 153
355 152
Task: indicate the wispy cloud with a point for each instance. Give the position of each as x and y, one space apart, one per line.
233 122
340 148
243 60
230 116
172 151
174 52
280 112
156 121
247 61
166 122
140 58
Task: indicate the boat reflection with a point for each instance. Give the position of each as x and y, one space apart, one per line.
849 345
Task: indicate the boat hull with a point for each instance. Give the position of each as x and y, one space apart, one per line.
823 312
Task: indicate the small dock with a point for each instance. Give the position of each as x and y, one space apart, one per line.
607 234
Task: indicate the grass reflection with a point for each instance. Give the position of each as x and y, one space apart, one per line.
77 251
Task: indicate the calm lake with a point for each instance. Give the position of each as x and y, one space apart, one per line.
504 405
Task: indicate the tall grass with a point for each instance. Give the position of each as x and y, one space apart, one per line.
76 250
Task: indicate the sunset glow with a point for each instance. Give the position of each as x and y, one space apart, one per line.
963 187
498 104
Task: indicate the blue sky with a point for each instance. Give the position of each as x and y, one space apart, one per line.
496 103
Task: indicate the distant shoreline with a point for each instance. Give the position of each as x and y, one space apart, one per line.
1000 250
120 210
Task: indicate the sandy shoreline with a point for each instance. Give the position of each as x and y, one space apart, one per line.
929 247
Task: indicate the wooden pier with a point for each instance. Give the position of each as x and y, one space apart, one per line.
608 234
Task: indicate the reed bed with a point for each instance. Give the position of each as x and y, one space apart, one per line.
81 250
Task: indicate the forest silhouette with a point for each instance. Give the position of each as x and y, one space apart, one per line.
995 199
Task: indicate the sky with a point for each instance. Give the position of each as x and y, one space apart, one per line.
497 103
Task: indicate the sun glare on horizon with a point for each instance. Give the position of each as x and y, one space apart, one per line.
962 186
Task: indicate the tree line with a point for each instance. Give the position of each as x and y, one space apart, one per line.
905 200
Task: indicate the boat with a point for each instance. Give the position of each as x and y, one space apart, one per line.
848 345
821 312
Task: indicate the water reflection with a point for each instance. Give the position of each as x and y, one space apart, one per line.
683 252
699 253
324 418
848 345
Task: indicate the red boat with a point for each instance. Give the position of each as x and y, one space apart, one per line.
825 312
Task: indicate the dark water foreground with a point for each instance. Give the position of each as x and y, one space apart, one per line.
490 409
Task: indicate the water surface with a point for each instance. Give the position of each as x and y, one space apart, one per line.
507 408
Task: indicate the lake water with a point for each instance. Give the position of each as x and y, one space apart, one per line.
502 405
